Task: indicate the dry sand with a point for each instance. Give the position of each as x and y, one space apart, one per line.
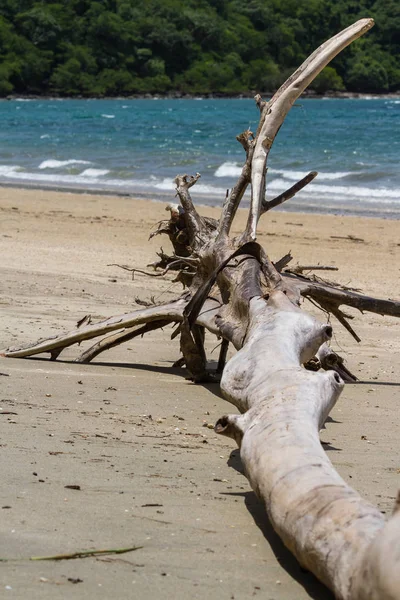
129 429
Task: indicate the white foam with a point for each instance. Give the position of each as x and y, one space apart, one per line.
320 193
108 116
8 170
57 164
233 169
211 190
168 185
322 176
14 173
94 172
228 169
165 184
366 194
46 135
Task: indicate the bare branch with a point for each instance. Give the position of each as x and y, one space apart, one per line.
222 355
328 296
245 139
283 262
192 218
119 338
235 196
299 269
174 265
172 311
261 104
288 194
275 111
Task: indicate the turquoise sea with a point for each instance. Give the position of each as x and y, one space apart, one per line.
137 147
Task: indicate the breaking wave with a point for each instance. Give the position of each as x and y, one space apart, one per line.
58 164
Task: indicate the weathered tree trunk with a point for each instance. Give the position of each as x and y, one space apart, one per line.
237 293
331 530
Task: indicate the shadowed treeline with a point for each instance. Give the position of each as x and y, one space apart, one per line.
122 47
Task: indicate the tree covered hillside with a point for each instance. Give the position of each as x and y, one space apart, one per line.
117 47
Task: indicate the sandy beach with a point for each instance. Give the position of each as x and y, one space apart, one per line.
118 454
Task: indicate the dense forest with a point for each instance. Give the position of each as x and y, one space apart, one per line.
126 47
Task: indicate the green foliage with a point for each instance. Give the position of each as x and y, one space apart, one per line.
263 75
327 81
121 47
366 74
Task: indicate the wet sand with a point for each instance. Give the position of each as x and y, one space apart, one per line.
131 432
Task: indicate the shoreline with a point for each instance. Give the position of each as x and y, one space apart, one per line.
292 206
175 95
114 155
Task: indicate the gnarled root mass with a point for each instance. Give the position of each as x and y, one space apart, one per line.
236 292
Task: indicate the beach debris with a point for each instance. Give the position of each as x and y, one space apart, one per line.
351 238
233 290
74 555
72 487
299 269
86 320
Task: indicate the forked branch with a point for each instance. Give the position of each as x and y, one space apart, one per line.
191 216
288 194
275 111
120 338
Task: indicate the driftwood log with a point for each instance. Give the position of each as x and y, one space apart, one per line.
237 293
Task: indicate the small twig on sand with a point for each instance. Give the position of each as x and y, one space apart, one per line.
299 269
81 554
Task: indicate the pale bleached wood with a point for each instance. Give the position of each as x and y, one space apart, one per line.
121 337
172 311
288 194
330 529
275 111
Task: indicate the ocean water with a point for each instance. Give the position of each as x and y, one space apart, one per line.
137 147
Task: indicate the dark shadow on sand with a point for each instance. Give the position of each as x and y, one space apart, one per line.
167 370
394 383
179 371
312 586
